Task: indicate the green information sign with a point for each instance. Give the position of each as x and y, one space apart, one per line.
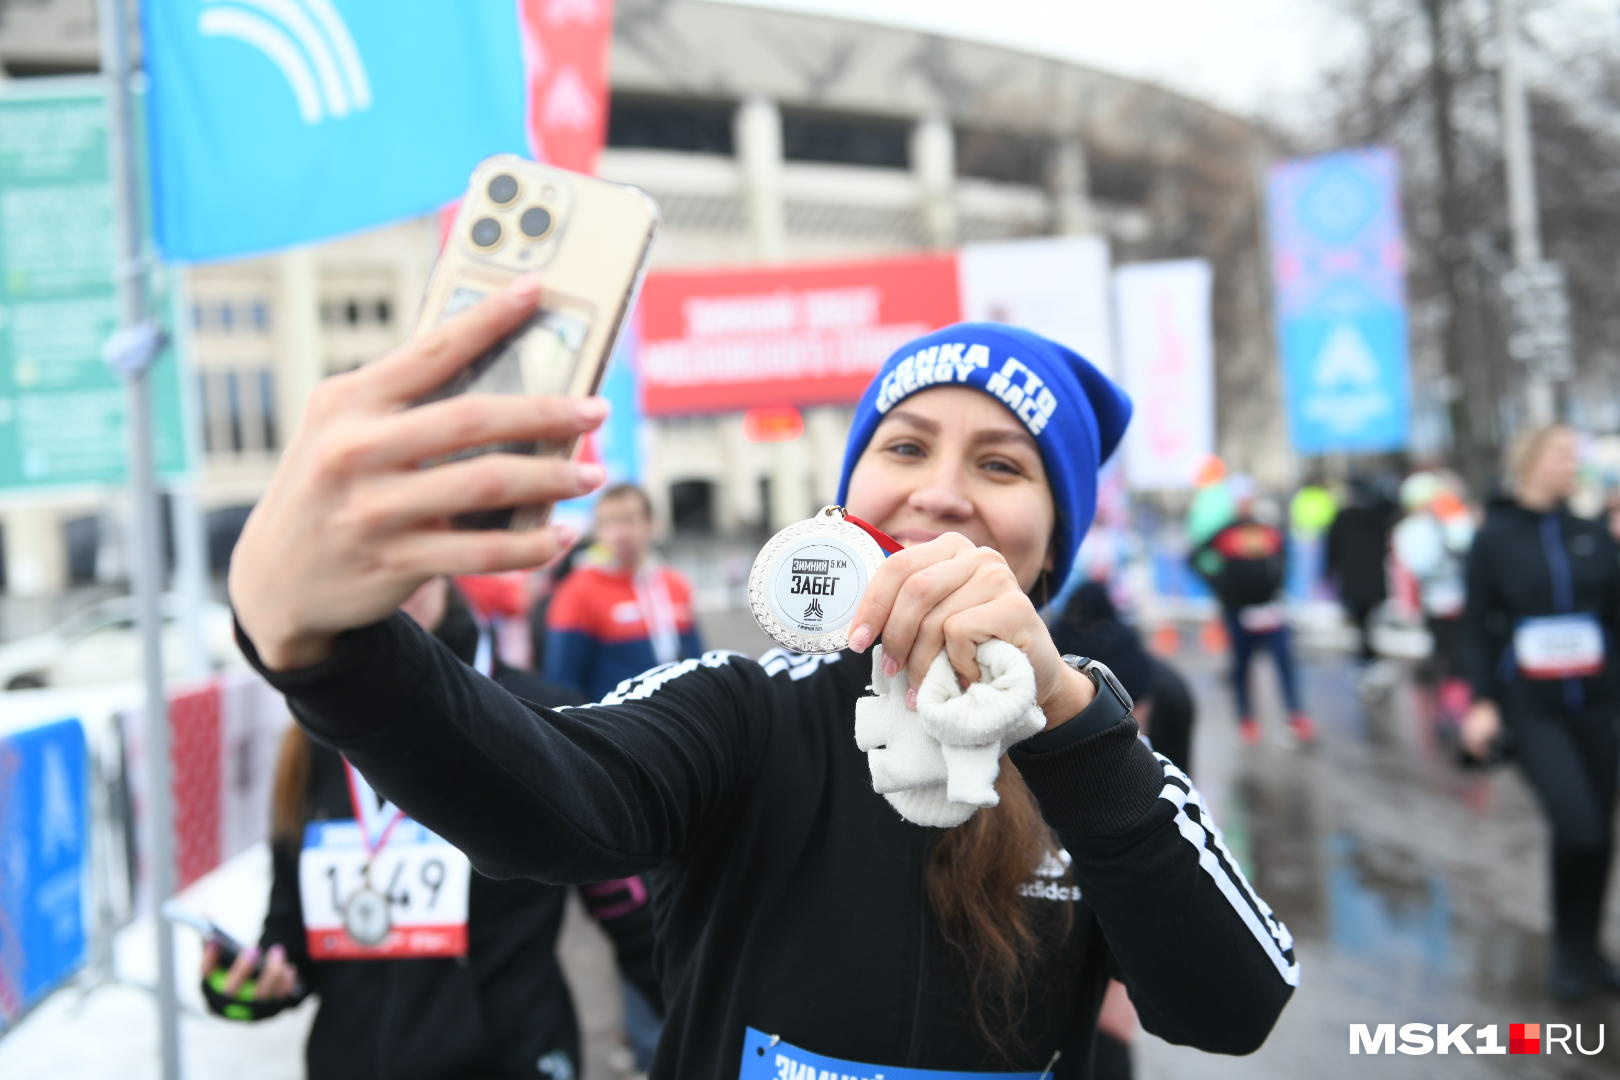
62 409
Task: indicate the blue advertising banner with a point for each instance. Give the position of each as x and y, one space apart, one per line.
1337 259
619 445
44 861
619 441
279 122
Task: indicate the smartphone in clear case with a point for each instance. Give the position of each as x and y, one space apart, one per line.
589 240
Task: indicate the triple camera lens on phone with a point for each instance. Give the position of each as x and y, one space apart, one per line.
486 232
535 222
503 190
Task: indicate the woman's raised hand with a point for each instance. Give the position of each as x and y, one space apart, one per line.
351 525
949 595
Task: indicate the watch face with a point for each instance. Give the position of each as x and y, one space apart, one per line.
1101 675
1105 675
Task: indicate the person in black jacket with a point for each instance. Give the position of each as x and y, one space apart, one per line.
1357 550
1540 631
1245 564
502 1008
1091 625
803 924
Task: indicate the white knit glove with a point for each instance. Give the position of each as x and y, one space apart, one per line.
938 764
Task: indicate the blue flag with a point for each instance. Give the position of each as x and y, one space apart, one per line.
1338 263
280 122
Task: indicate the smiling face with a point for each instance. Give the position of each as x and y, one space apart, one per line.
953 459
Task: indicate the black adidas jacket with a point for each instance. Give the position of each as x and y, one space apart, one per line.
788 896
1525 564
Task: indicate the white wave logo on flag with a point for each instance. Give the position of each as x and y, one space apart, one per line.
310 44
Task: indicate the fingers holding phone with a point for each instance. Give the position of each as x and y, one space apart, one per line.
351 525
278 976
445 456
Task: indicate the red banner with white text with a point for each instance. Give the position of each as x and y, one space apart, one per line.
713 341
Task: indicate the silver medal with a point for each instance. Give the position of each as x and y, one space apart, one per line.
365 917
808 580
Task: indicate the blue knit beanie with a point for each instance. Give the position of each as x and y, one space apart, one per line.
1074 412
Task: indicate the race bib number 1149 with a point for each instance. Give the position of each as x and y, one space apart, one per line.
412 902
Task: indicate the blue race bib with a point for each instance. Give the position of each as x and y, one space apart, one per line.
766 1057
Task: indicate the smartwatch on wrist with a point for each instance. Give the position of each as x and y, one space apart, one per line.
1112 703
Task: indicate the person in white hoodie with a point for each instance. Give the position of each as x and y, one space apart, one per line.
1431 543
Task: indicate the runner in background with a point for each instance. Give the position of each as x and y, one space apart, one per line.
1310 514
1092 625
543 585
621 611
1431 544
1355 563
1540 633
1245 564
409 1008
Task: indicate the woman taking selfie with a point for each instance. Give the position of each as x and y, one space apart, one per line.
803 923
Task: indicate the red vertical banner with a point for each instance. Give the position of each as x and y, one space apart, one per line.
565 61
194 751
565 50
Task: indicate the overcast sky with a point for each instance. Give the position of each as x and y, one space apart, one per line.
1250 56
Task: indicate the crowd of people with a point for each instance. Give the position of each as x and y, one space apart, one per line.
1520 602
715 813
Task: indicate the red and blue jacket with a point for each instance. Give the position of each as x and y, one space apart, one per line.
602 626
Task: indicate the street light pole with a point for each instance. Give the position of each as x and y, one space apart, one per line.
1519 153
132 352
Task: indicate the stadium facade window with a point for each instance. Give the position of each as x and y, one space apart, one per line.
267 409
846 139
1117 180
205 406
692 507
1005 156
233 408
652 123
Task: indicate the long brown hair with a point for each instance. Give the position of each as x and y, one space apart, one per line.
289 799
973 879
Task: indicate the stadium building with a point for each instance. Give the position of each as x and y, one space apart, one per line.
767 138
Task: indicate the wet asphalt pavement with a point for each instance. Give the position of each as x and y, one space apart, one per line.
1417 892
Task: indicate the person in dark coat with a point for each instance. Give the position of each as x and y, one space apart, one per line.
1539 648
1357 548
1091 625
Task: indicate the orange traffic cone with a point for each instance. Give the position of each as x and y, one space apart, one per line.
1165 640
